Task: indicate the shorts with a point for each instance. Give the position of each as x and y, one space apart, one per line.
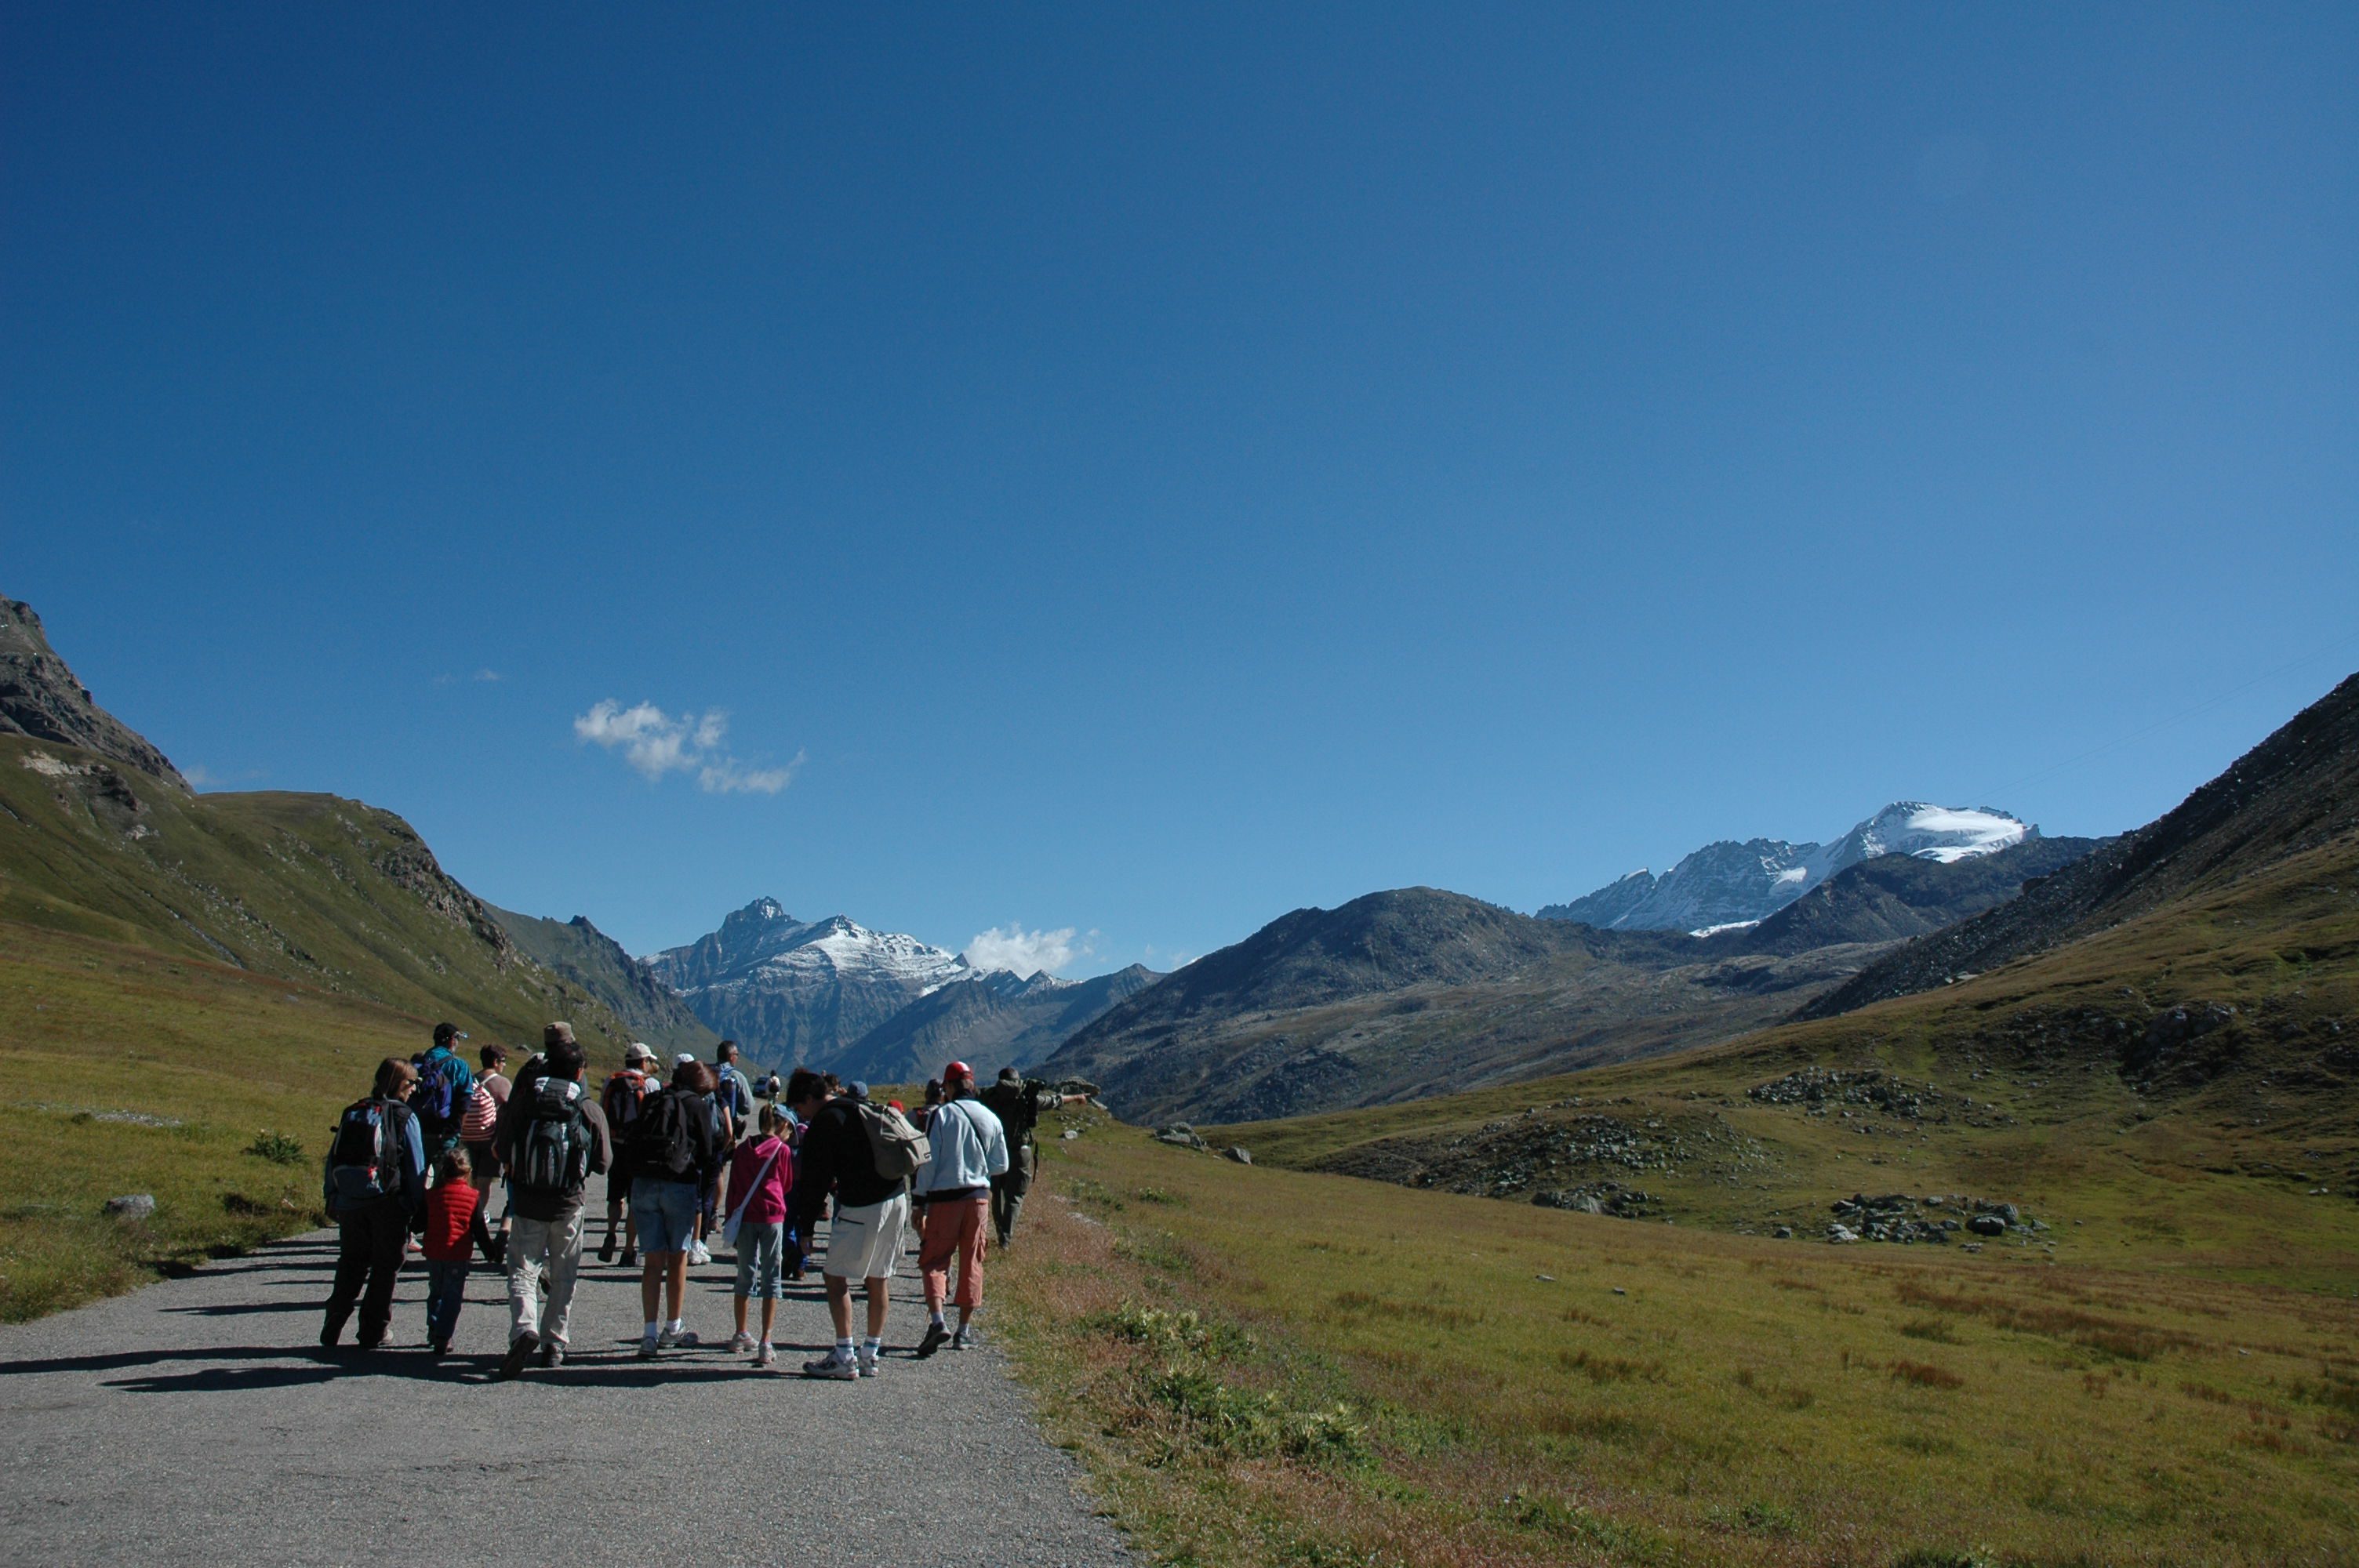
761 1259
863 1242
665 1212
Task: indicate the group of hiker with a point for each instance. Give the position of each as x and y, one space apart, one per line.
697 1157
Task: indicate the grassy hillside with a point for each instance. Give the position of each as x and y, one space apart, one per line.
2106 1088
181 974
1375 1374
134 1071
334 893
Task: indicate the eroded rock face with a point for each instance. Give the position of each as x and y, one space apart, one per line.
40 698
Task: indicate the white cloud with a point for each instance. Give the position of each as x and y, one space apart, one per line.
655 743
487 675
1026 952
729 776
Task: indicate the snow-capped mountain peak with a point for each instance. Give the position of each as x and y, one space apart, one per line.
1728 884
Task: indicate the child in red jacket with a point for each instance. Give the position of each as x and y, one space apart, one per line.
452 1216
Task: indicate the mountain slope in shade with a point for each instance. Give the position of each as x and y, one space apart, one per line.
990 1021
2295 791
1892 898
588 957
1730 883
1417 992
796 991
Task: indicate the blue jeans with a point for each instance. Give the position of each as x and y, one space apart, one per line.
446 1293
666 1213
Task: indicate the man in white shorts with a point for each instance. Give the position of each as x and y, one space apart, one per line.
872 1216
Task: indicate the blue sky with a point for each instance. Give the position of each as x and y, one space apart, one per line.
1141 473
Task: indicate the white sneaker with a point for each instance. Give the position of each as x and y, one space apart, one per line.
647 1349
740 1342
666 1336
698 1254
867 1362
828 1366
763 1354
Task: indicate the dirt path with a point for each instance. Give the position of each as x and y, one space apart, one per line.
196 1421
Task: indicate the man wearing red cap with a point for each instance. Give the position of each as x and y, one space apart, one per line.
970 1147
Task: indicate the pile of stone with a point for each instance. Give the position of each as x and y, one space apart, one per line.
1179 1135
1815 1089
1600 1198
1937 1217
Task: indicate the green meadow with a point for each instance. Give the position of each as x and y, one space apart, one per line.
1265 1366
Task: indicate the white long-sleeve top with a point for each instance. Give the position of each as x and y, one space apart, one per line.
970 1147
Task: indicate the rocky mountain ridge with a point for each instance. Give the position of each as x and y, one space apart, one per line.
880 1005
40 698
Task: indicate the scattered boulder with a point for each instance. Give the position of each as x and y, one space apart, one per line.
1988 1225
1179 1135
131 1207
1839 1232
1241 1155
1784 1233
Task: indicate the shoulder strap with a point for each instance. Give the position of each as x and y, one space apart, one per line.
755 1185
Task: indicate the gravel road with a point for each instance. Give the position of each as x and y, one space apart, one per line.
198 1421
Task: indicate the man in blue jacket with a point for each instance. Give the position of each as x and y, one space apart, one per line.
970 1147
376 1187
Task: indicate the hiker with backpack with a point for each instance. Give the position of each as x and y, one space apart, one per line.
761 1175
969 1147
625 1095
1018 1102
675 1151
553 1138
375 1185
865 1154
445 1085
726 1130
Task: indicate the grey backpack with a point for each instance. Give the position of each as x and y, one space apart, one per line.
897 1148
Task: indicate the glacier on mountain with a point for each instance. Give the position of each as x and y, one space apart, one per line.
1729 884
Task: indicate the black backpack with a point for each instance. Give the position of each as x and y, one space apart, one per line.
553 1151
365 1159
663 1143
1017 1109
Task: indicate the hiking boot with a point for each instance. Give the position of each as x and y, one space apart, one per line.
763 1355
936 1338
552 1354
964 1339
829 1367
520 1350
606 1249
630 1257
740 1342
